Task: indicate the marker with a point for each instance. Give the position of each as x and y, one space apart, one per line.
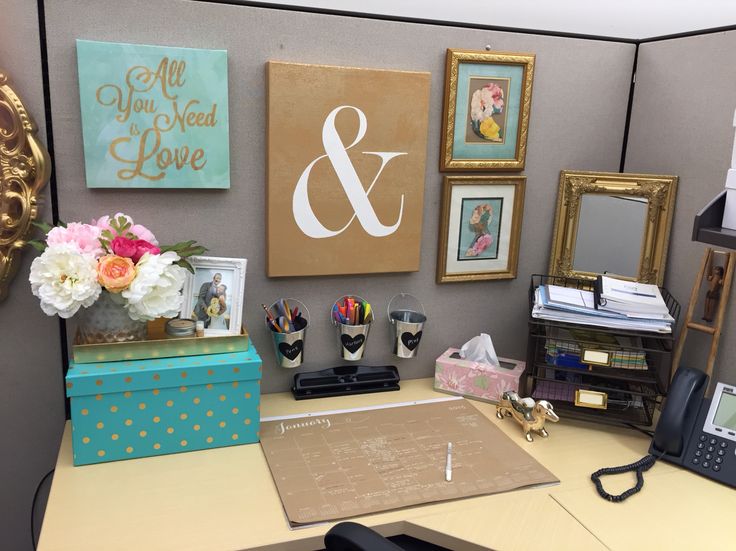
448 464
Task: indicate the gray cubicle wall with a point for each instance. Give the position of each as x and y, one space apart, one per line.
31 385
682 123
577 121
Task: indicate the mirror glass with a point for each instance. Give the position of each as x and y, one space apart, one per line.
616 222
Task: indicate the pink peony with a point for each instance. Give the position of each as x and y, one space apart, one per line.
132 248
84 236
496 93
141 232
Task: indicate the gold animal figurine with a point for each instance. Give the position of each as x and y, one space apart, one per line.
532 415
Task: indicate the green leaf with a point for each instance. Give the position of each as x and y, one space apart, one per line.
193 251
108 234
45 227
184 264
62 224
40 247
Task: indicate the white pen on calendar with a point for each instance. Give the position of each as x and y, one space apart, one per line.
448 464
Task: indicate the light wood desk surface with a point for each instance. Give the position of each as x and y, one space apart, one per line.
225 499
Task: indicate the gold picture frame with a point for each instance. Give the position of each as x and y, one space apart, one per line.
491 92
658 191
480 228
25 168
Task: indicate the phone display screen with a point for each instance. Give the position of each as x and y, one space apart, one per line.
726 413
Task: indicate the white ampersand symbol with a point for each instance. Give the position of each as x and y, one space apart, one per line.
336 151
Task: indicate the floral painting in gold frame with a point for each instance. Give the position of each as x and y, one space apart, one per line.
480 228
488 99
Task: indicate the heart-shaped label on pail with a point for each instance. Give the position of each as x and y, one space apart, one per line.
352 344
291 351
410 340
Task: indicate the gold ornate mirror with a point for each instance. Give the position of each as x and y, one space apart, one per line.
614 223
24 170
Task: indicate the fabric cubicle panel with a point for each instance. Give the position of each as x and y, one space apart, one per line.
682 123
578 115
31 378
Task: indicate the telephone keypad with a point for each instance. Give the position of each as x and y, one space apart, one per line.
710 453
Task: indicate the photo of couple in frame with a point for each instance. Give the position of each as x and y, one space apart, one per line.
215 293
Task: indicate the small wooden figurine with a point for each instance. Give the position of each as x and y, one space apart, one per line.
532 415
713 295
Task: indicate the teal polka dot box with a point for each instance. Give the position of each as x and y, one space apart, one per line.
139 408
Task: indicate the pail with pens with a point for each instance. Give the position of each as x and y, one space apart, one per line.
352 315
407 316
287 321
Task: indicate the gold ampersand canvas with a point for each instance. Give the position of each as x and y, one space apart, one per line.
346 156
154 116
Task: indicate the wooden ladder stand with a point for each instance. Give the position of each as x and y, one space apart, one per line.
713 330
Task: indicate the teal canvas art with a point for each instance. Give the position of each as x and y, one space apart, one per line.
154 116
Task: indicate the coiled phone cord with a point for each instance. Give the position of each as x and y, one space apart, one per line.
644 464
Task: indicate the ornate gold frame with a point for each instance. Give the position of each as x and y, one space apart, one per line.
517 213
454 59
25 169
660 193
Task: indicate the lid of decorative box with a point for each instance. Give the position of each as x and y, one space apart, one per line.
133 375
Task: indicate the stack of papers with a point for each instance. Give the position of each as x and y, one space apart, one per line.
632 298
568 305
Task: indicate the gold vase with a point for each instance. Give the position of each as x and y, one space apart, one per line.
107 320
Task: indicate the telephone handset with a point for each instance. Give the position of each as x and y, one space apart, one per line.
695 432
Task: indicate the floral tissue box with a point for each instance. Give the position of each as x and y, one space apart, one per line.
473 379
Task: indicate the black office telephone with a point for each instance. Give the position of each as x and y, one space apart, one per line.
694 432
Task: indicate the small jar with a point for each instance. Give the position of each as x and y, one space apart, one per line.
178 328
199 329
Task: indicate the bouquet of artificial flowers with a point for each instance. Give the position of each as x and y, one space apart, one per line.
80 261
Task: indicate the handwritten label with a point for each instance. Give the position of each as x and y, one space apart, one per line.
154 116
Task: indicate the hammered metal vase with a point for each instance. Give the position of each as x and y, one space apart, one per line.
107 320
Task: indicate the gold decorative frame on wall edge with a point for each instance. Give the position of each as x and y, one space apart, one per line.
658 190
454 58
25 168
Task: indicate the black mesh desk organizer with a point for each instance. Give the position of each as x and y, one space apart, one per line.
634 381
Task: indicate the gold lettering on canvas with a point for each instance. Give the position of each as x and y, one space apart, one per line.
143 152
346 161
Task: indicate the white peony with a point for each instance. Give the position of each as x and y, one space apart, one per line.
64 280
156 290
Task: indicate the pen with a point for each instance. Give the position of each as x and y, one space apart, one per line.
287 311
268 312
448 465
275 326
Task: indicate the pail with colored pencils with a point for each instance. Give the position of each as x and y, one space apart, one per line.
408 323
287 321
352 315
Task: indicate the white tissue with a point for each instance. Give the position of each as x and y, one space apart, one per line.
480 349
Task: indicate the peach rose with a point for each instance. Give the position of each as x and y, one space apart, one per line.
115 273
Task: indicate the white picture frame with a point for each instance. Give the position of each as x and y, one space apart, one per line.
228 302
